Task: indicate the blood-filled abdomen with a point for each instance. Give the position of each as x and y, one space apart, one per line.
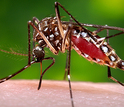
88 48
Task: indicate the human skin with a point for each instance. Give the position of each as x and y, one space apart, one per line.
24 93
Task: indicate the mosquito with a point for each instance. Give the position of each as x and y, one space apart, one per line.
59 35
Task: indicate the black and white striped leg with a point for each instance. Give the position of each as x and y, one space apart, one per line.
10 76
68 63
68 72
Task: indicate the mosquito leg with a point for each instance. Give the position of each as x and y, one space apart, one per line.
107 36
56 8
10 76
98 30
35 21
60 26
107 28
68 34
114 35
68 73
59 20
95 26
109 76
108 68
63 43
41 67
53 61
29 45
33 40
66 66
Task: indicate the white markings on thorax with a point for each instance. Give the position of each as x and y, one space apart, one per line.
51 35
56 33
45 29
56 29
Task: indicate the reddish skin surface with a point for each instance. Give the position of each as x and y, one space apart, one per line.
88 48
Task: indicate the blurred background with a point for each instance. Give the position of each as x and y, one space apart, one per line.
14 16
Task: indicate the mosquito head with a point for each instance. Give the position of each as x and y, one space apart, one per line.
38 53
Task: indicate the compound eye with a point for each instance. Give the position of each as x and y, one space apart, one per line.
38 52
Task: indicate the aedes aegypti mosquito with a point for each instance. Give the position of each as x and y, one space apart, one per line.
59 35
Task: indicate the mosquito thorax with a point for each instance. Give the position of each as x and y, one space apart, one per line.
38 53
49 28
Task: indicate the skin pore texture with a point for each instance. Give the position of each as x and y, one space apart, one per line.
24 93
